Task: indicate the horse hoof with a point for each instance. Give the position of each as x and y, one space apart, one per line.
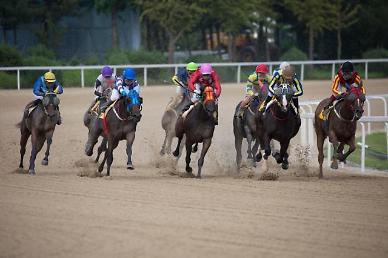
189 169
334 165
89 152
198 177
162 152
276 156
100 168
31 172
44 162
258 157
195 149
175 153
285 166
130 166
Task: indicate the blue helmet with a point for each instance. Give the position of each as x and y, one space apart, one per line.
129 74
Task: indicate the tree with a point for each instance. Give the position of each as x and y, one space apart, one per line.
344 15
112 7
49 13
12 15
314 14
174 16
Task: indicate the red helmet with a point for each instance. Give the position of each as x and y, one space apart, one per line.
262 68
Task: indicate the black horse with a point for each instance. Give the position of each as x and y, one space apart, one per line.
198 126
341 127
40 124
280 122
246 127
119 124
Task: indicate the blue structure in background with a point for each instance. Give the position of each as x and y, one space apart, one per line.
89 34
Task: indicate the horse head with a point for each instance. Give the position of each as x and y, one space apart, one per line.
50 104
283 95
354 100
209 101
132 104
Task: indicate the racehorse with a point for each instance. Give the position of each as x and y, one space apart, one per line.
118 124
341 127
40 124
169 119
246 127
198 126
281 122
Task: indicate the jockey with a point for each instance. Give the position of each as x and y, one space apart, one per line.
44 84
284 74
203 77
124 83
181 81
106 80
256 81
345 79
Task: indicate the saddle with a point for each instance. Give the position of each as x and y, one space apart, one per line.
103 114
324 115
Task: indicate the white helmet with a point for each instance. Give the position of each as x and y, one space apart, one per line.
284 65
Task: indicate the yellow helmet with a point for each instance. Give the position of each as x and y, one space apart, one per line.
49 77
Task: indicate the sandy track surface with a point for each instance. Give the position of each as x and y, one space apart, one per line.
150 213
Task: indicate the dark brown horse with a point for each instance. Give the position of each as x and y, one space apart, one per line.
280 123
197 126
119 124
340 126
40 124
246 127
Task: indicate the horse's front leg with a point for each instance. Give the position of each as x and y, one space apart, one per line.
37 144
94 133
205 147
333 139
283 153
130 140
109 157
352 147
267 146
102 148
249 140
49 137
163 150
188 158
176 152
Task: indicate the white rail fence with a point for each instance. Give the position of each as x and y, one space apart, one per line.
307 132
147 67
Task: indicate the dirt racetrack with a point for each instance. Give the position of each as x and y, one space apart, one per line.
150 213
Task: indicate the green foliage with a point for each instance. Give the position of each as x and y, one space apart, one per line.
8 80
146 57
117 57
376 142
377 53
205 59
294 54
41 51
9 56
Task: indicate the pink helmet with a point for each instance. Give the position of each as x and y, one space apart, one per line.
206 69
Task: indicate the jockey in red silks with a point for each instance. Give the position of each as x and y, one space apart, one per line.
201 78
345 79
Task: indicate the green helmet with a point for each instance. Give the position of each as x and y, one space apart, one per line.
191 67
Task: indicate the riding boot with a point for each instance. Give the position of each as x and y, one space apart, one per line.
330 103
264 104
295 101
104 106
28 106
